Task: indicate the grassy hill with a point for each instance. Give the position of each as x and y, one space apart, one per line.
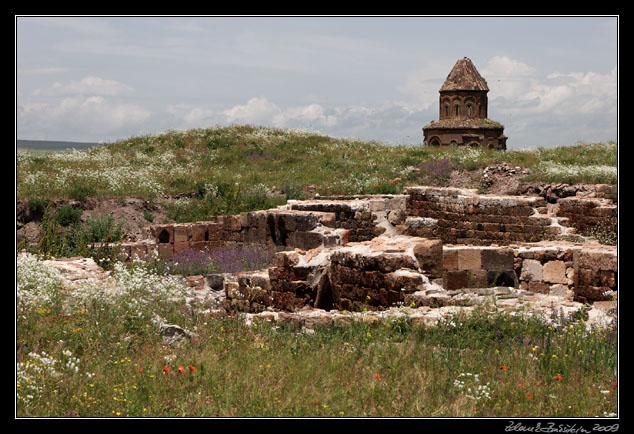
51 145
242 167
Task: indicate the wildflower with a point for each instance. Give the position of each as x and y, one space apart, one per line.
394 181
529 395
181 369
377 185
615 384
191 368
520 385
378 377
504 368
557 377
166 369
140 370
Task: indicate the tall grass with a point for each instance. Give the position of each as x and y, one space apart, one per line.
242 163
95 351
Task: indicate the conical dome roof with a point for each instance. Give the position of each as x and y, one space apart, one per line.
464 76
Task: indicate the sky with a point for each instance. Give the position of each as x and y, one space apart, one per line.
553 80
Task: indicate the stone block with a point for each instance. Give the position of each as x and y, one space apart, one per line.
554 272
469 259
595 260
429 254
477 279
540 287
305 240
165 251
497 259
453 280
182 233
531 271
287 259
200 232
450 260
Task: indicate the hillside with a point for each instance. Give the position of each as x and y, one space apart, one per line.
191 175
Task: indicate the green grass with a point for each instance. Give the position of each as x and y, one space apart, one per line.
245 158
96 352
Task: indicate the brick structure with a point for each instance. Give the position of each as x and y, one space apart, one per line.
463 112
423 247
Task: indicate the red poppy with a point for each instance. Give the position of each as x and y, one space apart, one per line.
615 384
140 370
394 181
529 395
521 386
191 368
557 377
503 368
181 369
166 369
377 185
378 377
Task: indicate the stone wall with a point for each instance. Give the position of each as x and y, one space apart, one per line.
358 252
274 230
584 213
361 214
462 216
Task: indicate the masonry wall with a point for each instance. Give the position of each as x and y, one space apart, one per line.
585 213
466 239
461 216
273 230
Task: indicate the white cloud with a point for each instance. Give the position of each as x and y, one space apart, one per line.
259 110
508 78
86 86
78 118
256 110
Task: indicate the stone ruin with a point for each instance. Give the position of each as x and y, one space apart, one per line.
428 247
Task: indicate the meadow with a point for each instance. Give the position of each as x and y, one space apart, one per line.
93 350
227 170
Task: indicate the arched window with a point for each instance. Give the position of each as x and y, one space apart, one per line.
164 236
456 110
447 111
469 111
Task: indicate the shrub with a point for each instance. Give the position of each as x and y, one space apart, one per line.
68 215
37 207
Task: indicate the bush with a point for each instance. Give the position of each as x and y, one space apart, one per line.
68 215
37 206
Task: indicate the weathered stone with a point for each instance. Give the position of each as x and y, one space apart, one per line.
469 259
429 254
554 272
497 259
531 270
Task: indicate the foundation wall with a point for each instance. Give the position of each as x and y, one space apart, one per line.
461 216
353 252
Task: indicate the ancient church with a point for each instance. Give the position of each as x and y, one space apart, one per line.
463 112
